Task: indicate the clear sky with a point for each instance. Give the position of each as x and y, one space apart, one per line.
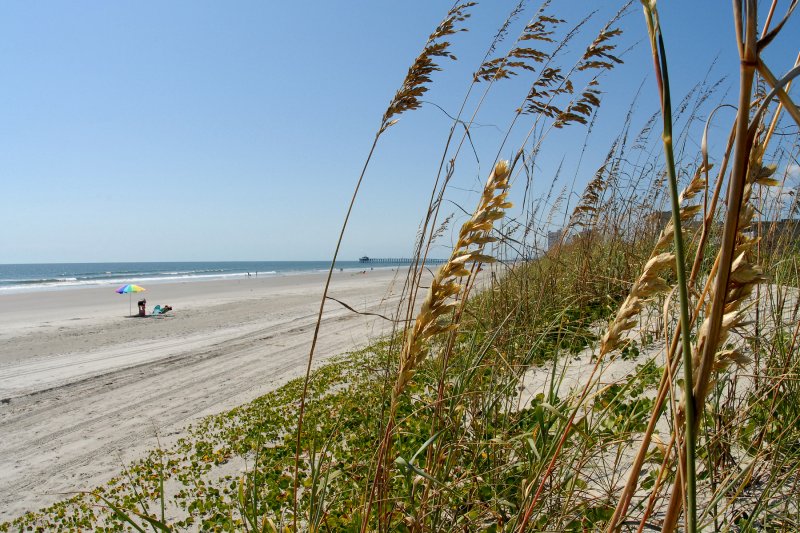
200 130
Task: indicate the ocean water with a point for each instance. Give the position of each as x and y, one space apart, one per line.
33 277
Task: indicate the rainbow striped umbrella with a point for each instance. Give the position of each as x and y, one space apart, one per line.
128 289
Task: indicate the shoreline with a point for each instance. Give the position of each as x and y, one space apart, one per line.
84 387
69 284
34 310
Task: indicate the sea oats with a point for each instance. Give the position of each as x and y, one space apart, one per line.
687 212
585 213
521 57
744 275
649 284
418 76
598 55
434 315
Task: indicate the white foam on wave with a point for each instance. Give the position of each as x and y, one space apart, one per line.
187 276
66 283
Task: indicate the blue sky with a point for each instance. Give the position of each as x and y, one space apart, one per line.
199 130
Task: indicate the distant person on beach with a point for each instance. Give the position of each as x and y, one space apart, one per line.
142 307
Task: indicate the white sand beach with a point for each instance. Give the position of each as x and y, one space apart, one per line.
84 387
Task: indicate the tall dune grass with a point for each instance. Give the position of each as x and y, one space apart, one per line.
725 268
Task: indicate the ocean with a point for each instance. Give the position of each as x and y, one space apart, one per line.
44 276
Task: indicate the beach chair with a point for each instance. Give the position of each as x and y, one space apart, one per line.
159 311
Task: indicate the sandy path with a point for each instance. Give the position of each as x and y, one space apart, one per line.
79 397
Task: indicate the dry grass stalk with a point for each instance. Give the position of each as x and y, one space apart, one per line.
407 97
502 32
688 212
723 311
540 28
434 314
544 90
723 360
422 247
585 213
649 284
597 57
744 275
552 82
583 108
433 317
624 321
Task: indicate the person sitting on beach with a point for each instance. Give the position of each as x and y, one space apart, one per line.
142 307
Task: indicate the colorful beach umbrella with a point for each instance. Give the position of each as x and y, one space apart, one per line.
129 289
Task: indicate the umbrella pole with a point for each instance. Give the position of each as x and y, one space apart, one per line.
129 305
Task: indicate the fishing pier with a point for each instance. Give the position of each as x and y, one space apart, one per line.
398 260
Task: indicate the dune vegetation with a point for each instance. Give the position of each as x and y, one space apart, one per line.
635 368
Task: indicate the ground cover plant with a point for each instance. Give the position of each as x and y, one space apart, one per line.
639 371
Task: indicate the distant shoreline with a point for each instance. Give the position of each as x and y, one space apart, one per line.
25 278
